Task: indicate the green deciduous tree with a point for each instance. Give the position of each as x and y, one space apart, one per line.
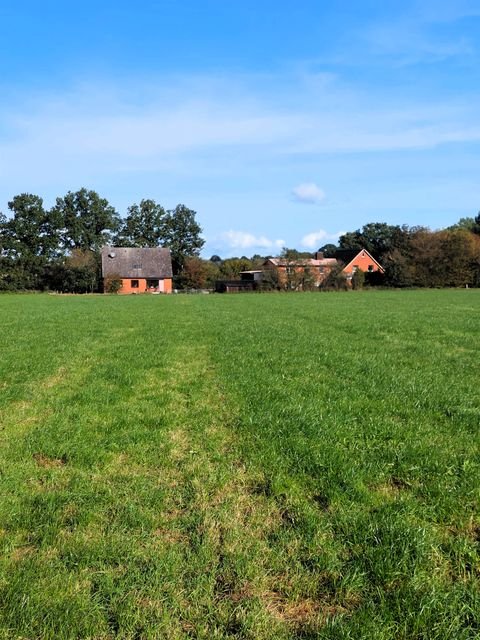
79 272
328 250
231 268
465 224
29 239
399 269
87 220
182 235
378 238
143 226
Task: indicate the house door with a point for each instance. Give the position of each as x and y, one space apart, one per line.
161 286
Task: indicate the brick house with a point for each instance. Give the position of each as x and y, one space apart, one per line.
293 274
141 270
354 260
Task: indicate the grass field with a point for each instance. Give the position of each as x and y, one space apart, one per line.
250 466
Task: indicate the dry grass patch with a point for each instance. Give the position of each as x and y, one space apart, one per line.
55 379
301 612
171 536
392 489
19 553
47 462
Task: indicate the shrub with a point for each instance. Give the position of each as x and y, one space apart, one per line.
358 279
335 280
112 284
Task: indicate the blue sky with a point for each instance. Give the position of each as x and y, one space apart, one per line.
281 123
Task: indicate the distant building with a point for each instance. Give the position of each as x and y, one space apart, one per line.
310 273
252 276
141 270
249 281
355 259
303 273
291 273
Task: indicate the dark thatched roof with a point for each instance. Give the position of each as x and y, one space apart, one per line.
136 263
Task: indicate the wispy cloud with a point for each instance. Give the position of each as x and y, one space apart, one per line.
423 33
226 146
408 43
308 193
60 133
82 131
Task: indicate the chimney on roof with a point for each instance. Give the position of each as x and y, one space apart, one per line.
319 255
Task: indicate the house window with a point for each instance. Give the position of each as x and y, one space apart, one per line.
134 284
137 266
370 267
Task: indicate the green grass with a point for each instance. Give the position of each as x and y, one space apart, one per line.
248 466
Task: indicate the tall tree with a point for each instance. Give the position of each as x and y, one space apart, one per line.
28 240
88 221
143 226
378 238
181 234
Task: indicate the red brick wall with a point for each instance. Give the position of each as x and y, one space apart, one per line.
142 286
362 262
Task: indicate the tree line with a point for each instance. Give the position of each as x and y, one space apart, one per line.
59 248
411 256
419 257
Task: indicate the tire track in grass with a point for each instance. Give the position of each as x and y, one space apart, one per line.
223 522
211 513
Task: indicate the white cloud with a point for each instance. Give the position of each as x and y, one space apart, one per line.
309 193
245 240
316 238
